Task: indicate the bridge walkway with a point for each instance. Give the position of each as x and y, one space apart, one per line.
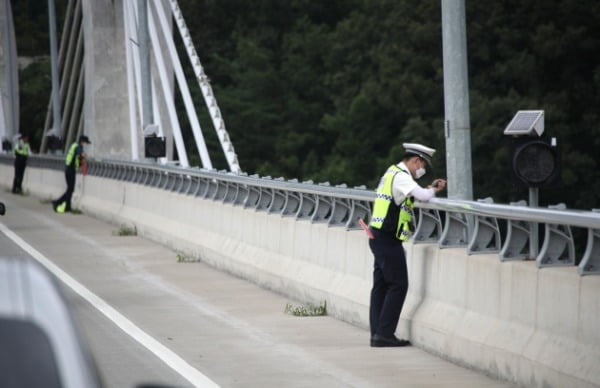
231 331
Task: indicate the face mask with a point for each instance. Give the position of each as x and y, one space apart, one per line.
420 172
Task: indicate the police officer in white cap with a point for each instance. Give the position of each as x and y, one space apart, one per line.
390 226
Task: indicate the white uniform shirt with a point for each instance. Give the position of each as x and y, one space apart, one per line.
404 185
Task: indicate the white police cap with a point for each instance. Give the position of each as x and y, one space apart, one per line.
419 150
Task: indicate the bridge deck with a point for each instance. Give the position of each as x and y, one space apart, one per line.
230 330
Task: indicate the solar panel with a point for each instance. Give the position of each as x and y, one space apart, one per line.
526 122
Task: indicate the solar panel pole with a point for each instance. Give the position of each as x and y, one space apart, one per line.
456 101
534 196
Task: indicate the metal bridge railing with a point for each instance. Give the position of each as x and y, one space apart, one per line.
475 225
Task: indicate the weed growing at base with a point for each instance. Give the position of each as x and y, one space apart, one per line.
125 230
306 310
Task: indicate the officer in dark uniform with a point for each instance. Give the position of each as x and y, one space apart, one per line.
21 152
390 226
75 156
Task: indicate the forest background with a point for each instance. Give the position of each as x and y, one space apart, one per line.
329 90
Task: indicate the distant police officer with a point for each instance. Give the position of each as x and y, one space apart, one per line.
390 224
75 156
21 152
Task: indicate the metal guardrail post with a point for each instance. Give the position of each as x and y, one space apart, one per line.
292 203
264 199
358 209
429 227
307 206
455 231
253 196
558 248
486 234
340 211
323 206
220 191
277 201
516 244
590 263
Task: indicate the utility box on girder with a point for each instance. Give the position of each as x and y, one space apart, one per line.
155 147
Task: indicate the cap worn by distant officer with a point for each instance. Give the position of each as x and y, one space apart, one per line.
84 139
419 150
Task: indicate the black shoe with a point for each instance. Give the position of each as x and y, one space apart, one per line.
379 341
54 205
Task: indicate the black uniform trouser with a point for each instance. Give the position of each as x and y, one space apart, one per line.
390 284
66 197
20 164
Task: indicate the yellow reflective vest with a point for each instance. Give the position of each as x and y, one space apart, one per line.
387 216
22 148
71 155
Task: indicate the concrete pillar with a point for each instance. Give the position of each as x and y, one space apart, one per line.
9 74
106 115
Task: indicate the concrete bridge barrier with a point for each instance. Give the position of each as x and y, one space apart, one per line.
533 327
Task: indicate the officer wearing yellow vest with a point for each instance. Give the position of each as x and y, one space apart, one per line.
391 226
75 156
21 152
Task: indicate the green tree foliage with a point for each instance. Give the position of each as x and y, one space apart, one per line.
34 92
329 90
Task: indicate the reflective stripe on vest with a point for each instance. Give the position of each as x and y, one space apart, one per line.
71 156
384 207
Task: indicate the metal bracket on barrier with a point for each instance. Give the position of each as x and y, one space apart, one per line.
164 180
175 182
148 175
339 212
429 227
307 206
128 174
156 178
359 209
292 202
252 197
455 231
213 186
140 175
193 186
231 193
558 240
323 207
265 198
242 195
278 200
516 245
220 191
486 234
119 173
202 189
590 263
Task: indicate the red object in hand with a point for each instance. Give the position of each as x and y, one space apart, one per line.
366 228
83 167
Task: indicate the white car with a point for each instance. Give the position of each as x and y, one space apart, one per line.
39 343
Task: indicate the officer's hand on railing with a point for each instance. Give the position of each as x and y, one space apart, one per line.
438 185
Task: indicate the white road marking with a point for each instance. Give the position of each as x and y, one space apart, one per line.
170 358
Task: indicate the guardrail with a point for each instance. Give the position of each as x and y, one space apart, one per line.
474 225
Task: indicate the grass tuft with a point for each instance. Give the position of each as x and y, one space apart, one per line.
125 230
306 310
